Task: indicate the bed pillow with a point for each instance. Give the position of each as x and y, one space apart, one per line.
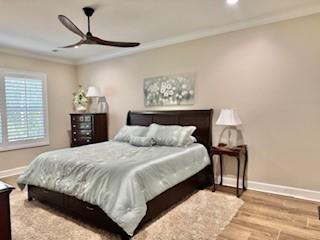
126 132
191 140
171 135
141 141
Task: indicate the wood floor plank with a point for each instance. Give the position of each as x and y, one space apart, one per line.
285 227
266 199
257 230
233 232
294 236
302 207
313 223
285 236
275 213
255 233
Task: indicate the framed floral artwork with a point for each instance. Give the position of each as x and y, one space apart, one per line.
169 90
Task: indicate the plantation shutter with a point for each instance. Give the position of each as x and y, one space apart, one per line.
24 107
1 137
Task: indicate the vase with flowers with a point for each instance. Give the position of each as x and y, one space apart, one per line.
80 101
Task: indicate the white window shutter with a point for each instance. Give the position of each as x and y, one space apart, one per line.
2 117
24 107
1 137
23 110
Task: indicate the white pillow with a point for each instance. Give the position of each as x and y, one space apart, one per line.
142 141
191 140
171 135
126 132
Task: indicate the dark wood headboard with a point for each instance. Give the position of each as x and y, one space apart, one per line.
202 119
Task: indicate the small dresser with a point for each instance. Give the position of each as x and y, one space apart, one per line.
88 128
5 223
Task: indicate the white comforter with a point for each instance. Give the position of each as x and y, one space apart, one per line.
118 177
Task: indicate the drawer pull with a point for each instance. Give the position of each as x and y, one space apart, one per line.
88 134
75 139
88 140
74 133
74 125
89 208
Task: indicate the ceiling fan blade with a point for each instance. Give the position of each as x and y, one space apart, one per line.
74 45
71 26
113 44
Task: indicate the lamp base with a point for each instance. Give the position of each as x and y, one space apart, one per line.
98 105
232 139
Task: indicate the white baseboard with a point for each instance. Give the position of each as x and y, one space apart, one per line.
12 172
276 189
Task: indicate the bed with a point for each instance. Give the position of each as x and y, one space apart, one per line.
92 213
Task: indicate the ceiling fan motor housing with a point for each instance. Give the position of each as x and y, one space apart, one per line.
88 11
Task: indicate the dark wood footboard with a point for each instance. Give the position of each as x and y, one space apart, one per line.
94 215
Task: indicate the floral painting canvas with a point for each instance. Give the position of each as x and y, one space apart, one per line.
169 90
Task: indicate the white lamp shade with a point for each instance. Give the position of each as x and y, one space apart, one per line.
93 92
228 117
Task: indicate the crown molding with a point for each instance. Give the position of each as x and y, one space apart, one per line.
28 54
206 33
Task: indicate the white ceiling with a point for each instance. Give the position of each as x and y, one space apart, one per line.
32 27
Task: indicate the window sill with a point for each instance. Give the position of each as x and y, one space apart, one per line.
24 146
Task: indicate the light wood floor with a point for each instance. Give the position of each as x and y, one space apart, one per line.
267 217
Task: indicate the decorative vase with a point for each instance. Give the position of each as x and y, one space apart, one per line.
81 108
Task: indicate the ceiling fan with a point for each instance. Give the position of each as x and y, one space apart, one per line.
89 38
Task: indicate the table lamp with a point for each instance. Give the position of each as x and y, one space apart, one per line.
230 119
94 92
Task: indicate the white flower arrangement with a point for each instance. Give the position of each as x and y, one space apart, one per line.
79 97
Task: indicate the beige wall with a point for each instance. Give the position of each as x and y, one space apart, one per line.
61 82
270 74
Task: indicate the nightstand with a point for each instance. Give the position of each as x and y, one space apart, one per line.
5 225
236 152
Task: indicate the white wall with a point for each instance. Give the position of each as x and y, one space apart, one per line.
270 74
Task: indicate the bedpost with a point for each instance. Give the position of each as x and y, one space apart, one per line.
125 236
128 117
30 198
210 130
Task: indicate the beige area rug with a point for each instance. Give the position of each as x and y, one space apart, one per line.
203 216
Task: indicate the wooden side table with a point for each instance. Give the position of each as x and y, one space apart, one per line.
235 152
5 223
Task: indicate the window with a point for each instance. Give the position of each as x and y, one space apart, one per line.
23 110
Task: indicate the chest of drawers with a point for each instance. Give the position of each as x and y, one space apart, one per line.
88 128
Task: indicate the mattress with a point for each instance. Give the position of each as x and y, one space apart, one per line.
117 177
